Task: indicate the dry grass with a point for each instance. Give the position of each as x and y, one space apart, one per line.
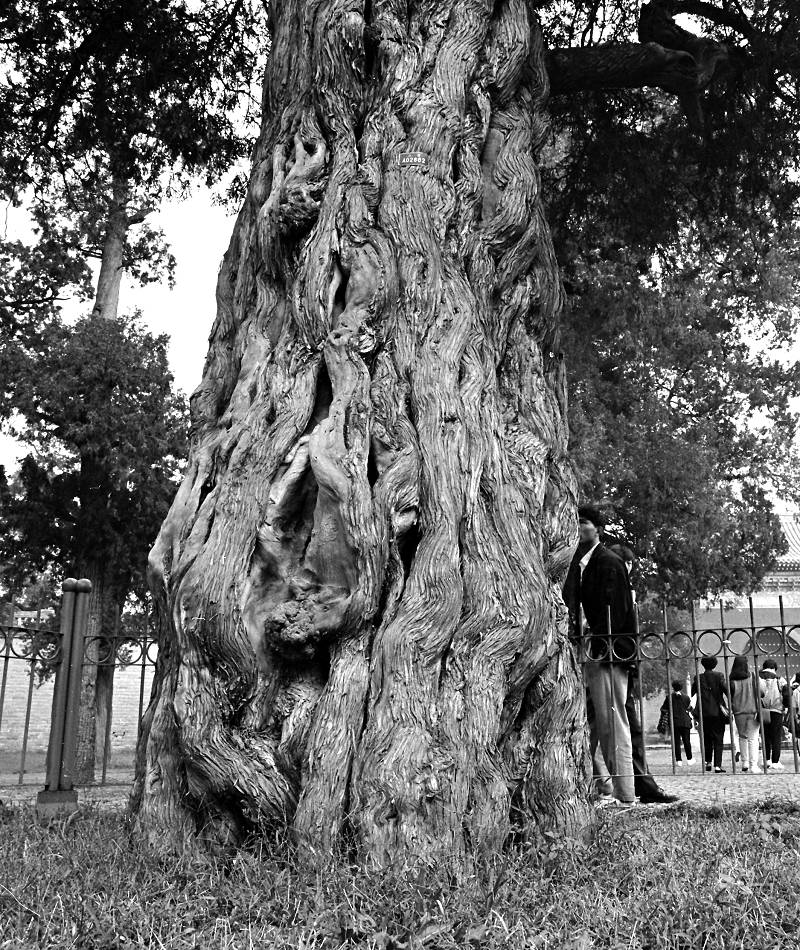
675 879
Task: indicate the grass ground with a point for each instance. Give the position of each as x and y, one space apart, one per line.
669 879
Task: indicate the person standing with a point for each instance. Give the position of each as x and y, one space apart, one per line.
772 688
598 582
794 709
711 711
745 699
648 791
681 721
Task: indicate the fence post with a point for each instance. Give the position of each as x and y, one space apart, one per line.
59 797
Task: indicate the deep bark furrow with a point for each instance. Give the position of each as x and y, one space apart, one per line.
359 578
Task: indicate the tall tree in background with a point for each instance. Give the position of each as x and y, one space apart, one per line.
107 435
673 429
358 584
105 109
104 106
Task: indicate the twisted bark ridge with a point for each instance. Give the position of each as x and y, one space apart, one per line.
359 580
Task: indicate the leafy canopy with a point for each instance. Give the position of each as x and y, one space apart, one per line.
107 434
680 251
105 109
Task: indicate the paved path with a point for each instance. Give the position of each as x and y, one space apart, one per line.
710 789
700 790
106 797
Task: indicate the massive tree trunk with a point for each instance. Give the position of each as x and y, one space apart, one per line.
358 584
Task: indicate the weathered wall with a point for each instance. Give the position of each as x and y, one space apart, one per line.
124 723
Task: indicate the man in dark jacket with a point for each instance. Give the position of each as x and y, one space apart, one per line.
598 584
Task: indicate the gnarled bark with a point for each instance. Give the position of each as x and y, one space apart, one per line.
358 583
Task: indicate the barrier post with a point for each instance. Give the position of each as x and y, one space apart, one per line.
59 797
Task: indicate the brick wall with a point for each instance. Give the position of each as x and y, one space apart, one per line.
124 721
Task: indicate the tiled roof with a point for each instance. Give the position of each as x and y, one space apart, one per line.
791 528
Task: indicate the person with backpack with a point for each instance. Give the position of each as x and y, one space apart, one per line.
772 689
711 711
745 700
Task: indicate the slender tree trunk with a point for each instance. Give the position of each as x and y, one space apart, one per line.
104 693
98 671
97 681
358 584
106 302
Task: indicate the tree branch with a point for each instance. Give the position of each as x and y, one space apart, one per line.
656 25
713 60
668 58
621 66
138 215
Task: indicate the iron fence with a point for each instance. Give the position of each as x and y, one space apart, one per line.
123 663
655 658
30 656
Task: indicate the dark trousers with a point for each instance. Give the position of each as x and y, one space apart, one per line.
773 735
683 734
713 734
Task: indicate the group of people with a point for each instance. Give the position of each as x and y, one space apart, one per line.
754 705
600 600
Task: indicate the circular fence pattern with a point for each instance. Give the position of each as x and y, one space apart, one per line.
739 642
651 646
36 646
680 645
768 641
709 643
45 646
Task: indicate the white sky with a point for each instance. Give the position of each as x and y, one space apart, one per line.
198 233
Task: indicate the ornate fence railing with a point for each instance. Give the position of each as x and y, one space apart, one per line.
46 674
656 658
114 672
28 659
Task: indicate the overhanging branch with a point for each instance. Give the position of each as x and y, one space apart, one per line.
721 17
621 66
668 57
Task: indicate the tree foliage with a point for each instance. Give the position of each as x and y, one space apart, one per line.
678 241
104 110
107 434
130 88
